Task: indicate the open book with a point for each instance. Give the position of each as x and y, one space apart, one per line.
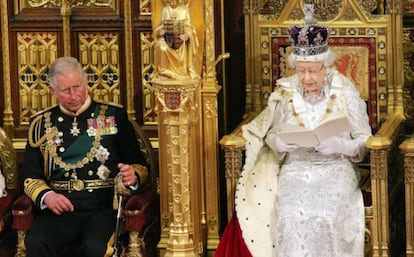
332 125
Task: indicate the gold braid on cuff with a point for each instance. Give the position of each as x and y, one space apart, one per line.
33 187
142 173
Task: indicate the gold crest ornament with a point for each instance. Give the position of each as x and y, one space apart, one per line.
78 185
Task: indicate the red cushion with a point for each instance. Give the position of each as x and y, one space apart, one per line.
139 208
22 213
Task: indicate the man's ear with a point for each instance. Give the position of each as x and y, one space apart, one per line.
52 90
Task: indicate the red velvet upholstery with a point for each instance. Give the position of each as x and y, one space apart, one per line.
141 216
139 209
8 171
22 213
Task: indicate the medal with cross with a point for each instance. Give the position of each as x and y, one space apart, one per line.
75 131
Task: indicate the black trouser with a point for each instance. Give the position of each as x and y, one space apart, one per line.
91 229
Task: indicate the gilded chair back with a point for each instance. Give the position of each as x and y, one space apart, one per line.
148 152
8 161
364 44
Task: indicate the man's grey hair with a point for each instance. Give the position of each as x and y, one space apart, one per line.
61 66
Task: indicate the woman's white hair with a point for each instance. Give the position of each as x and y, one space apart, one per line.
327 58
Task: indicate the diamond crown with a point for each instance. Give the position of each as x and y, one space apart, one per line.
312 38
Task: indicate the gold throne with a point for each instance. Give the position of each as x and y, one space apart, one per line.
367 53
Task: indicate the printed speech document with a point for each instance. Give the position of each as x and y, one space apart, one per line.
331 126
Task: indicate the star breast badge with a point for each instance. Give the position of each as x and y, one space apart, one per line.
75 131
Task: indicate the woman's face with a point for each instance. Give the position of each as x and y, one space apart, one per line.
311 76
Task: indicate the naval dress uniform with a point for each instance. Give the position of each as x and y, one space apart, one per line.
77 155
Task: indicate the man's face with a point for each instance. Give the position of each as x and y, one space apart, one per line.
71 90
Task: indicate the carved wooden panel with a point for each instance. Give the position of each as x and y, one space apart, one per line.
100 33
408 89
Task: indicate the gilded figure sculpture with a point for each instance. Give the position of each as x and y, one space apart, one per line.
176 42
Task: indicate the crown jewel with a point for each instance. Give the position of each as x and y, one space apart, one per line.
312 38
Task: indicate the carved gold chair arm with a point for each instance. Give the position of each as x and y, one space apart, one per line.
381 162
387 132
233 146
139 213
22 211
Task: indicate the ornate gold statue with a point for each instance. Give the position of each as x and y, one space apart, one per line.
176 42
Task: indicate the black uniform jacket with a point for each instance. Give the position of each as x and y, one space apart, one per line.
63 147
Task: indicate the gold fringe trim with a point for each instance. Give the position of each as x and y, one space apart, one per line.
142 173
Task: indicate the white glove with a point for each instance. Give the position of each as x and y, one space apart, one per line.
283 147
335 145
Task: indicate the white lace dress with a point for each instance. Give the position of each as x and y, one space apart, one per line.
319 204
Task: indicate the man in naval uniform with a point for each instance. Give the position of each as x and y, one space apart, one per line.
74 153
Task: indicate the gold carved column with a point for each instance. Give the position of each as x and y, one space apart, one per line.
8 123
233 146
186 90
209 131
407 149
179 165
66 12
379 188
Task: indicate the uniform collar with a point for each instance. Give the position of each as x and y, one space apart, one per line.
83 108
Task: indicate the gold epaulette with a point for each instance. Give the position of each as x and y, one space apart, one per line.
43 111
36 134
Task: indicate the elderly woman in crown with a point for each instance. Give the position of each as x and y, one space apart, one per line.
298 196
